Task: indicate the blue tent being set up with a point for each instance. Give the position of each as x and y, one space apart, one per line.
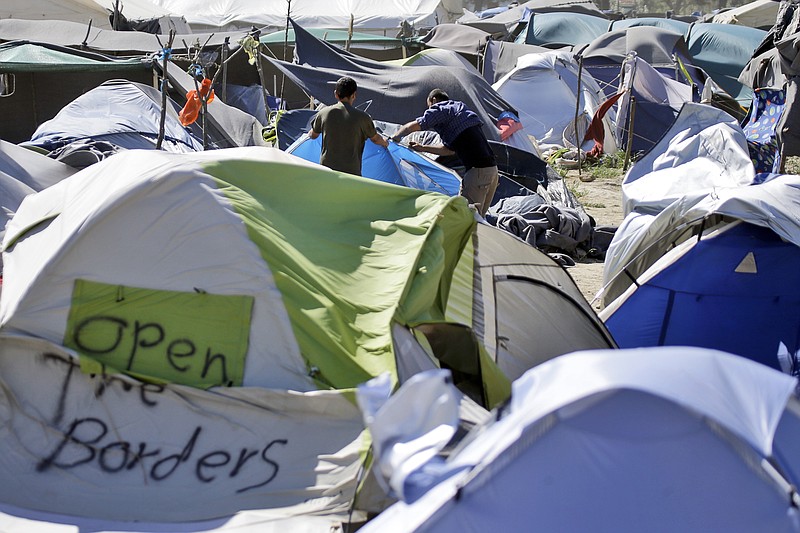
398 164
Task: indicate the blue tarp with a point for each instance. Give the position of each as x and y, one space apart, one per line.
553 29
397 164
722 51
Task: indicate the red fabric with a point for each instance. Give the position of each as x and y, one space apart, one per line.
507 127
190 112
596 132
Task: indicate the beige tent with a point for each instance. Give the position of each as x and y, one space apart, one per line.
759 14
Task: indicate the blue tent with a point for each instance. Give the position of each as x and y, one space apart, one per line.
675 25
722 51
398 164
735 289
562 29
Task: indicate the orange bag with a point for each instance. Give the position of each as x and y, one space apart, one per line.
190 112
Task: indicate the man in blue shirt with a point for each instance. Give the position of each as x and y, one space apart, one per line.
461 134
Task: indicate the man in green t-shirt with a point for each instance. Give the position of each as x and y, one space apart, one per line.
344 130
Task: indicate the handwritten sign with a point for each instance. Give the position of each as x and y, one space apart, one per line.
190 338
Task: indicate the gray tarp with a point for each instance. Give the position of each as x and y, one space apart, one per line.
654 45
397 94
457 37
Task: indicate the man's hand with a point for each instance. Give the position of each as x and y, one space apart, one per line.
417 147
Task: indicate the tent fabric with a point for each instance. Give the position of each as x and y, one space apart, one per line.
740 298
435 56
612 418
511 17
24 172
649 106
652 44
332 36
193 460
604 56
456 37
760 14
324 298
21 56
500 58
391 90
396 164
703 150
367 16
227 126
98 11
124 113
34 170
73 34
722 51
528 310
769 204
673 25
562 28
554 77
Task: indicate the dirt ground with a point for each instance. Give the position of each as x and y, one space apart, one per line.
602 199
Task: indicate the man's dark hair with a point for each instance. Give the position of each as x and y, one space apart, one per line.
345 87
438 95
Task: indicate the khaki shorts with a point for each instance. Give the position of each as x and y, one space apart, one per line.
478 187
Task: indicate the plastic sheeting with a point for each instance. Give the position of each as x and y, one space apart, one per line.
398 164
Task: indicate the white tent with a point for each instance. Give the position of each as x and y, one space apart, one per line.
705 148
23 172
94 452
660 439
98 11
550 116
382 17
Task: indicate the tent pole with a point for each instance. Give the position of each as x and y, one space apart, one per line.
286 43
115 16
577 111
165 52
224 65
630 133
349 33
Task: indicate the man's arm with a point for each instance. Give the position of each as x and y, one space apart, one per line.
405 129
380 140
312 134
437 149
